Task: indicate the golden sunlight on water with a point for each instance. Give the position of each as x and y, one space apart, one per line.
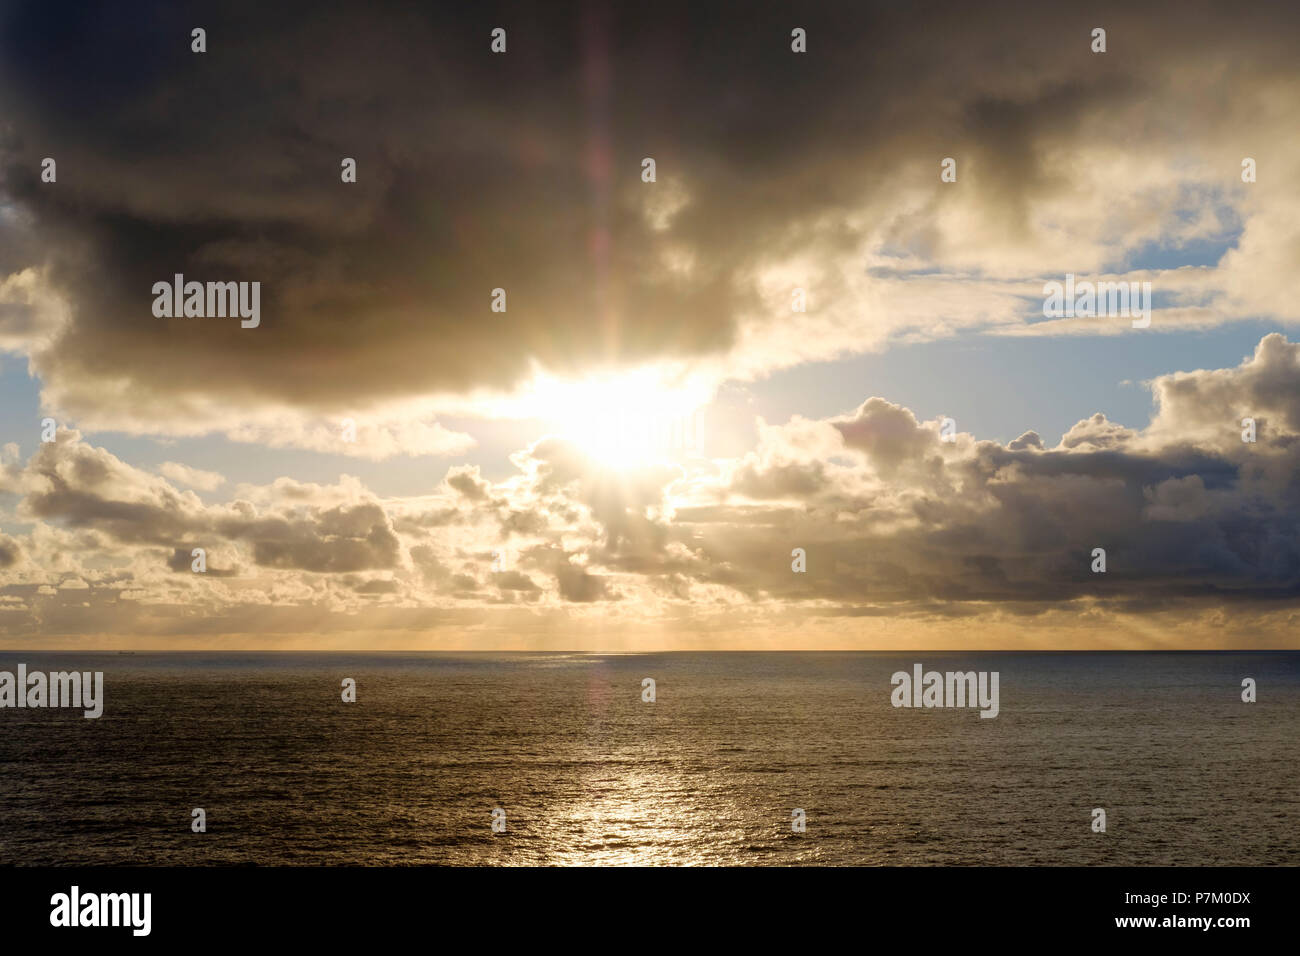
712 772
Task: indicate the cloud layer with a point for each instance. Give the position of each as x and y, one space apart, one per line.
522 171
778 175
1201 532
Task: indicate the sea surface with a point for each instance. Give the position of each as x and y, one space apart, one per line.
709 773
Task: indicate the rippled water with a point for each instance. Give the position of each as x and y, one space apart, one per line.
709 773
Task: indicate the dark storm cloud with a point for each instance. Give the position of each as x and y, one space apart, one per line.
520 171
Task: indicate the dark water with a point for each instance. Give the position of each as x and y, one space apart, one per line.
709 773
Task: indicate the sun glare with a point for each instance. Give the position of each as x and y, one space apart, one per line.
625 420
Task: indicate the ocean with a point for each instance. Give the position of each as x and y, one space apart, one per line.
710 772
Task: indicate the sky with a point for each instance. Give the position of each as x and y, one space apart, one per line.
793 385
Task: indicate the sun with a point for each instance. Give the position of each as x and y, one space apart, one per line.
624 420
